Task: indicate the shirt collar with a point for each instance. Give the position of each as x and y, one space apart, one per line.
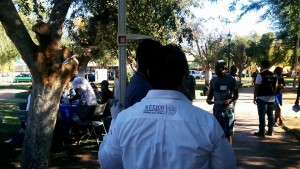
168 94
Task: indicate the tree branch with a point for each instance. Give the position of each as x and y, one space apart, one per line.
16 31
57 18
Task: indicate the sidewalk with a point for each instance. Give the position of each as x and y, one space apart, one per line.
279 151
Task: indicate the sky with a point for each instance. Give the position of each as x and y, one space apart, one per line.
247 25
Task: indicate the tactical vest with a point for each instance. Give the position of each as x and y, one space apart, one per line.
268 84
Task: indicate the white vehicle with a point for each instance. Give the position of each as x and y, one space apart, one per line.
197 74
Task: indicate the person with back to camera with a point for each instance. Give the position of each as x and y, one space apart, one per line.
233 74
264 97
106 94
139 84
164 129
190 87
224 90
296 107
254 75
278 96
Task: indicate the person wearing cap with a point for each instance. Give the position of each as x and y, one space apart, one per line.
224 90
165 130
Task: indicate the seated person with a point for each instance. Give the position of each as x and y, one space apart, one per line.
87 97
23 124
17 139
28 98
66 95
106 94
95 88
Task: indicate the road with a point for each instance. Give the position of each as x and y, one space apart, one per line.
279 151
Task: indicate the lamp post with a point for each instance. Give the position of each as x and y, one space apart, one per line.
296 61
228 54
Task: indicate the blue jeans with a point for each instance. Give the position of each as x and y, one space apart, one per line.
263 109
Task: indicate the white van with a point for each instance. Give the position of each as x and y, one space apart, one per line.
197 74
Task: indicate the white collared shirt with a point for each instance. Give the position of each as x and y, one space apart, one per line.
165 130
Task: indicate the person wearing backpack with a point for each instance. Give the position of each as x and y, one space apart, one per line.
264 96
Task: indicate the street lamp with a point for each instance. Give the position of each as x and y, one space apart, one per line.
228 54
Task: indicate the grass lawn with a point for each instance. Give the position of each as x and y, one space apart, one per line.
24 86
10 157
9 127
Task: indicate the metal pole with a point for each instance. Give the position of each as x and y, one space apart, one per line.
296 61
122 51
228 53
229 39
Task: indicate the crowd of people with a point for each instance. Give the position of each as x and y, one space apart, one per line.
163 91
158 109
159 125
143 135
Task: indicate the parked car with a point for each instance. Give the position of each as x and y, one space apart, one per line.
197 74
6 78
23 78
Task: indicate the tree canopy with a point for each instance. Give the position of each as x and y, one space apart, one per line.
44 54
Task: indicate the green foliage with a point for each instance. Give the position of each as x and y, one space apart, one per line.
8 51
284 16
160 19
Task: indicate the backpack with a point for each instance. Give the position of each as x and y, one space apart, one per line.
268 84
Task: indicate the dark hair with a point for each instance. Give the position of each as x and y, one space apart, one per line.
265 64
146 51
233 68
221 65
105 83
170 69
278 71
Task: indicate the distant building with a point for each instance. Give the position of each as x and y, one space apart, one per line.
20 66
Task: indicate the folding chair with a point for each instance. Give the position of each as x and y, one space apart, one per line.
96 122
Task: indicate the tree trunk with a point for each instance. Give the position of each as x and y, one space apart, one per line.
208 75
82 68
40 126
49 74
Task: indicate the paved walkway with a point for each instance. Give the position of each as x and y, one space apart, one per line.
9 94
272 152
279 151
